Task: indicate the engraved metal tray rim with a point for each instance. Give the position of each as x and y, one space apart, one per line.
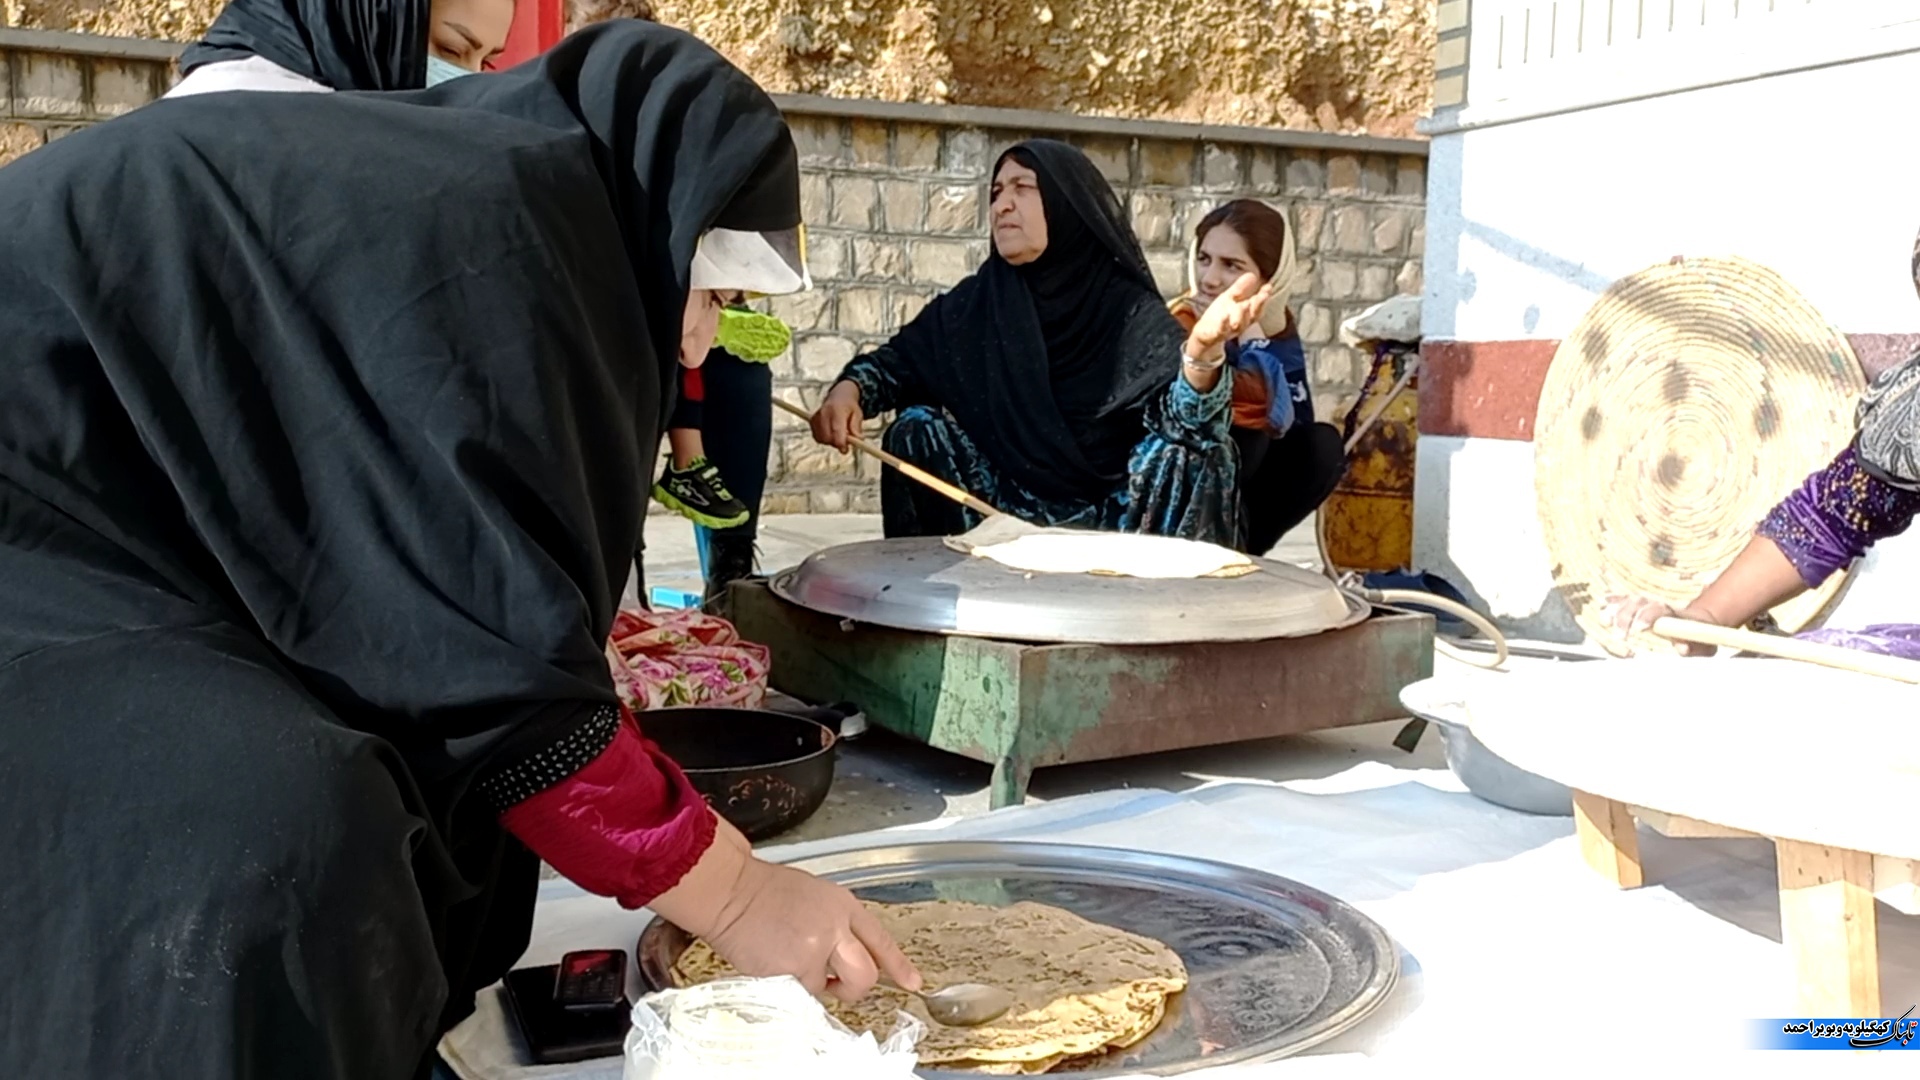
1279 898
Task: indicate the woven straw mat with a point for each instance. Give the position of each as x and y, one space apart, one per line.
1687 402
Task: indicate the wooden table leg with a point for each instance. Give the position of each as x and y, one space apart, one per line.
1828 925
1607 839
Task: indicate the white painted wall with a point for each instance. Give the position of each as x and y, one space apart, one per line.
1474 524
1811 173
1527 54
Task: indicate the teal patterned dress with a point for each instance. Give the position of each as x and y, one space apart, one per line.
1181 477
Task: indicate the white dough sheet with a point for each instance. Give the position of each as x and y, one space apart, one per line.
1511 948
1020 546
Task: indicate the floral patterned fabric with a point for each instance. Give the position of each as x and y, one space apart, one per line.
667 659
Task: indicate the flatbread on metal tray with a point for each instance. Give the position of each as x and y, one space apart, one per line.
1080 988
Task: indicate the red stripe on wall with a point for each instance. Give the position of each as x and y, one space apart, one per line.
1482 389
1491 389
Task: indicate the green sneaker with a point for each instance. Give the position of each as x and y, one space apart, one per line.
698 493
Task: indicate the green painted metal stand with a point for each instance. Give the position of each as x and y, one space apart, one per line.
1019 707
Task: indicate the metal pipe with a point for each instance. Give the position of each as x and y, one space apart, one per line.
1399 386
1416 598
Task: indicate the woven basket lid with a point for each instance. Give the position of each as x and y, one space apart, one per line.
1690 400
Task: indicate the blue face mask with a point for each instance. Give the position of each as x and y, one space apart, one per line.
439 71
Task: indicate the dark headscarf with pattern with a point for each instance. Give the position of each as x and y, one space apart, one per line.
1888 442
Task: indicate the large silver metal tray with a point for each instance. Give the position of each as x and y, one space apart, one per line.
1275 967
922 584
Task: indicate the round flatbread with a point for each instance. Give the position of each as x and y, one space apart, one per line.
1078 551
1080 987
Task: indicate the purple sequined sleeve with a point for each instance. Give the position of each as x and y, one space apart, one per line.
1836 516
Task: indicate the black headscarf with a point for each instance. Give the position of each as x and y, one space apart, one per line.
1049 366
398 381
343 44
385 396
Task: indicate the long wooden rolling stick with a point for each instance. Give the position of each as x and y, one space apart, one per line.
1833 656
958 495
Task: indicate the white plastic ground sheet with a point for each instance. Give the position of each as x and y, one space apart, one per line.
1510 946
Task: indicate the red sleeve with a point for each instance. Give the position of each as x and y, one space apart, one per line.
628 825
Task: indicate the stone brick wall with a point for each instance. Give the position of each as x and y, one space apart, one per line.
51 84
895 199
896 212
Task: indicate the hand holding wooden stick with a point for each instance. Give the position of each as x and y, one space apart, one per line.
950 491
1833 656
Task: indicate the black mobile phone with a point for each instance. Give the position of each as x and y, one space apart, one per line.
573 1010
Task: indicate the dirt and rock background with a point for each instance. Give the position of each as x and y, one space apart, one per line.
173 20
1320 65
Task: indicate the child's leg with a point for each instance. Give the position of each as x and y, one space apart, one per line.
689 413
687 447
741 424
742 428
690 485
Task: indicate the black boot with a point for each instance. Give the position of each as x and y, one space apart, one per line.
729 559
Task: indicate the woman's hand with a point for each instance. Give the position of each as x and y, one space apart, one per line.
783 921
1230 314
838 421
1760 578
774 920
1632 616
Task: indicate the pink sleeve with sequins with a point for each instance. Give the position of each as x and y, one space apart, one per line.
628 825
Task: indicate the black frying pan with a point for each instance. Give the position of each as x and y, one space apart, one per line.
763 771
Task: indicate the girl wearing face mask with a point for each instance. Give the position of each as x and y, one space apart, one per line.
320 45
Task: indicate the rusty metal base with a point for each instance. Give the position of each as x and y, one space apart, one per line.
1020 707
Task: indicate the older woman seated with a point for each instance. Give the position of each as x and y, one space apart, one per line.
1053 382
